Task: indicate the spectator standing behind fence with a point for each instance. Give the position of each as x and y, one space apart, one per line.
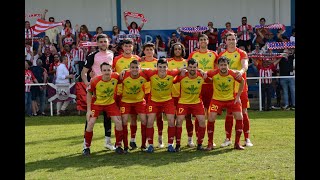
286 69
266 69
53 68
29 78
39 91
63 77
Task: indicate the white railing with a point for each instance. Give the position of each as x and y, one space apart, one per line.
44 84
260 93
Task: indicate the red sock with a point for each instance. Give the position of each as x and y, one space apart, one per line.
159 123
133 130
88 138
143 135
171 134
196 126
149 135
210 131
201 132
239 126
119 137
178 135
189 125
125 135
228 125
246 126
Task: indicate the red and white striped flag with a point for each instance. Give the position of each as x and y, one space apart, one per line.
42 25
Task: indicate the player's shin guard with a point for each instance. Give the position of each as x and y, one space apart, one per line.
239 126
196 126
119 137
88 139
85 128
143 135
125 135
210 131
171 134
133 131
189 125
178 135
159 123
149 134
107 124
246 126
201 132
228 125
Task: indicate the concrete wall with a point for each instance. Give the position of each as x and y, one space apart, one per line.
164 14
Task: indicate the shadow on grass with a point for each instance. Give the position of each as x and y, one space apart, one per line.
113 160
73 140
60 120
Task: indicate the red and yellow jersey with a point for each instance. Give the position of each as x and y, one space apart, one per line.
149 64
152 65
223 85
132 88
104 90
235 63
205 59
174 64
190 89
120 63
161 87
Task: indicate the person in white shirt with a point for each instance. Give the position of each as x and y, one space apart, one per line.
63 77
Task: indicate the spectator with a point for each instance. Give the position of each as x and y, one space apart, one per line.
293 35
83 34
261 32
28 31
190 42
99 31
244 33
29 78
63 77
134 30
213 37
53 68
39 91
160 50
265 70
53 32
68 33
224 32
117 38
286 69
171 40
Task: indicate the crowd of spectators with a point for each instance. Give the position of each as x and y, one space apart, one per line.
44 56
